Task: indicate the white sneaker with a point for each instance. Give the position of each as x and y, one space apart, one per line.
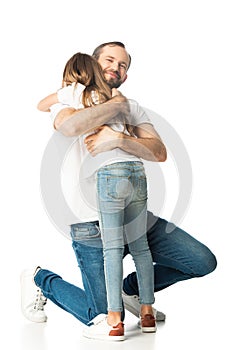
99 329
32 299
132 304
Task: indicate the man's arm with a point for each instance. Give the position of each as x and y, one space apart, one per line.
72 122
147 144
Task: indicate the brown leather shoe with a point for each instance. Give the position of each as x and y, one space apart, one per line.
117 330
148 323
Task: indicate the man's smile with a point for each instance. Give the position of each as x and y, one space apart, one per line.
112 74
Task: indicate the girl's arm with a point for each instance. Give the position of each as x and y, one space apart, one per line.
45 104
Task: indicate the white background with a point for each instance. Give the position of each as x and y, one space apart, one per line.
182 68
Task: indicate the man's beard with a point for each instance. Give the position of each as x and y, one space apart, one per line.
113 82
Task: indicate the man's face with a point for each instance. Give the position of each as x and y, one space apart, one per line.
114 61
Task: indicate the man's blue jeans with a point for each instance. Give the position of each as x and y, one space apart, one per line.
177 256
122 207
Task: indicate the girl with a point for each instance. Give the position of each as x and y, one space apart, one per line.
121 192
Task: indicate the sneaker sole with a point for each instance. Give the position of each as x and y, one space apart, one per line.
32 319
149 329
104 337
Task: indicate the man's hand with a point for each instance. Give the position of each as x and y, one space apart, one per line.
118 97
104 139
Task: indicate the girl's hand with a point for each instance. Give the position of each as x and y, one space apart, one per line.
104 139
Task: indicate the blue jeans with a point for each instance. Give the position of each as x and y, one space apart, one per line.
177 256
122 207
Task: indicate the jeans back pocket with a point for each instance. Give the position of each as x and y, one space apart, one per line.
85 231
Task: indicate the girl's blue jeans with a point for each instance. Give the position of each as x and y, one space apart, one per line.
122 207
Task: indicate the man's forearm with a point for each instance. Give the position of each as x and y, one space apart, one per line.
151 149
79 122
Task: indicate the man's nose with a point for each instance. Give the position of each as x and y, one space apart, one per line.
115 66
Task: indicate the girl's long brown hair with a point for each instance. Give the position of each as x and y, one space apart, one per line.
84 69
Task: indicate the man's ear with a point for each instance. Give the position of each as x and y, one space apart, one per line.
125 78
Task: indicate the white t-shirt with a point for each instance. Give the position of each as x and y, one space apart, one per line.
79 167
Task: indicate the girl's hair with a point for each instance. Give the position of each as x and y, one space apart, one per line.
84 69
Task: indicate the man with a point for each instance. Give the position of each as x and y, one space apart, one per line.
177 255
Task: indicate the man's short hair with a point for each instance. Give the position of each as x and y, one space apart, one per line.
97 52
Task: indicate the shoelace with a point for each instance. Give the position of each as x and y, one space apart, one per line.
97 321
100 321
40 301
